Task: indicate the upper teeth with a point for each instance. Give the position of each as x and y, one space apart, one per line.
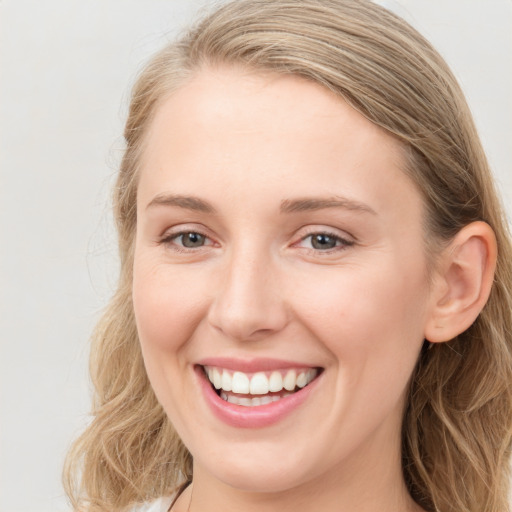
259 383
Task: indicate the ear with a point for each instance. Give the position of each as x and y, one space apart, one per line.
462 284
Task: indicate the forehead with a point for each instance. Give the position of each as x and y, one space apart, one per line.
266 133
255 102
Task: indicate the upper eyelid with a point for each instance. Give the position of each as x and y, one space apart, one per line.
324 230
326 233
179 229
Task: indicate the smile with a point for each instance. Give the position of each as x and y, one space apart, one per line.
260 388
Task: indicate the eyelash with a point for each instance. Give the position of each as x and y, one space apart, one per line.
169 240
341 243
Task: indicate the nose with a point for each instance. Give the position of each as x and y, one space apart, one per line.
249 303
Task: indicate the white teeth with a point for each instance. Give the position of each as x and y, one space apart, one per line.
259 383
227 381
252 402
302 380
240 383
275 382
217 379
266 400
290 381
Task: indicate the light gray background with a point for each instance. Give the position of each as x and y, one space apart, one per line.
65 71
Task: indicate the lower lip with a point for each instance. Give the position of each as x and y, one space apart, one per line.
252 417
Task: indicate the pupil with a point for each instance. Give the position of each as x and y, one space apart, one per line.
193 240
321 241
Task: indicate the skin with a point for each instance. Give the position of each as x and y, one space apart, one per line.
258 287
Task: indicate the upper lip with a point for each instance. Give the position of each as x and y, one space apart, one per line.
252 365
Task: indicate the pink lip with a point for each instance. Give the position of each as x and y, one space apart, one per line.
251 365
251 417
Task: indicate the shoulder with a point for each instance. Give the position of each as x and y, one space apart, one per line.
159 505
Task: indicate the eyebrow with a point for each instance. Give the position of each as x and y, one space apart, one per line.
287 206
313 203
187 202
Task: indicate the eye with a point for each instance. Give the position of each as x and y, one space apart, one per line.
323 241
191 239
186 240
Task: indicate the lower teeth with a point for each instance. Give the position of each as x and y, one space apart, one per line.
254 401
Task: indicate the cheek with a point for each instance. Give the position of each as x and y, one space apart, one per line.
372 325
168 306
368 320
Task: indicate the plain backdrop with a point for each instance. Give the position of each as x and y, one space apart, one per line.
65 72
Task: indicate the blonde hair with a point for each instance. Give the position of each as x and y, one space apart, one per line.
458 419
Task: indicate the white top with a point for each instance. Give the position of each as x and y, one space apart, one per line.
159 505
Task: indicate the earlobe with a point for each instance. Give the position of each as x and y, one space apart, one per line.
463 281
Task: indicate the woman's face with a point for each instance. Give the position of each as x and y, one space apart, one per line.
278 243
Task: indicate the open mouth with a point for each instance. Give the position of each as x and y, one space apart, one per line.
260 388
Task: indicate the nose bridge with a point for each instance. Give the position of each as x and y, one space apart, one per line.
248 303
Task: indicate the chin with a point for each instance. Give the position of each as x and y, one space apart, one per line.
260 480
274 473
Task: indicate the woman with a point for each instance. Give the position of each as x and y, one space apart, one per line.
314 307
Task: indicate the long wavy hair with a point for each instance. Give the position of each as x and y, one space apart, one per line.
457 424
